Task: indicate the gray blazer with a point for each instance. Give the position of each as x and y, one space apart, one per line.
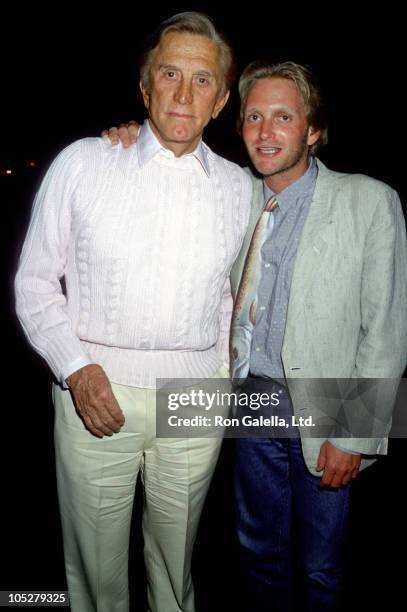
346 316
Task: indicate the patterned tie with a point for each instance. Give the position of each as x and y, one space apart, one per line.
244 314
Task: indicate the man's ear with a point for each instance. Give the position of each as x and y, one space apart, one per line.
220 104
145 94
313 135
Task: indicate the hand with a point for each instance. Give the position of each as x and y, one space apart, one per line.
94 400
339 466
126 133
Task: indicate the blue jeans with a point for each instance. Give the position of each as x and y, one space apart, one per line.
285 520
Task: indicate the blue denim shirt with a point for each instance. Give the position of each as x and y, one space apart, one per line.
278 258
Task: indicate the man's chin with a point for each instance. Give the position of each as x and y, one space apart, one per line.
182 138
266 169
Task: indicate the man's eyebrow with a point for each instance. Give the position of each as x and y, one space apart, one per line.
253 109
280 109
167 67
201 72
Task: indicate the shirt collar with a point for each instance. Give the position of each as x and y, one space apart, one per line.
302 187
149 146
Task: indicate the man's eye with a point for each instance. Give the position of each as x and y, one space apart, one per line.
202 80
252 118
285 118
170 74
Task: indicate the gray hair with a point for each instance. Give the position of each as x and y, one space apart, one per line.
192 23
304 80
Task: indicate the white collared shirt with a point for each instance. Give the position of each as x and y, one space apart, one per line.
149 146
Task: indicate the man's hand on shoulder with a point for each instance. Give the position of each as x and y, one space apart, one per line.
94 400
339 466
126 133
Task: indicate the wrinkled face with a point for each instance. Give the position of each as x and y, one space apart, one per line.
276 131
184 95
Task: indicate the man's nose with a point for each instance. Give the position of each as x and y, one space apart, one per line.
266 129
183 93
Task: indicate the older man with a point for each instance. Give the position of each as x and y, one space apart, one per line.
145 239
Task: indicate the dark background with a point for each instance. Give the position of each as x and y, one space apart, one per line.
66 75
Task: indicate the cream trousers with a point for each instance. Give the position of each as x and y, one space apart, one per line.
96 484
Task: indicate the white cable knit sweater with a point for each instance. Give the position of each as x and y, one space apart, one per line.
146 250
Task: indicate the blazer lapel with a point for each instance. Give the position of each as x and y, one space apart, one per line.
312 245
